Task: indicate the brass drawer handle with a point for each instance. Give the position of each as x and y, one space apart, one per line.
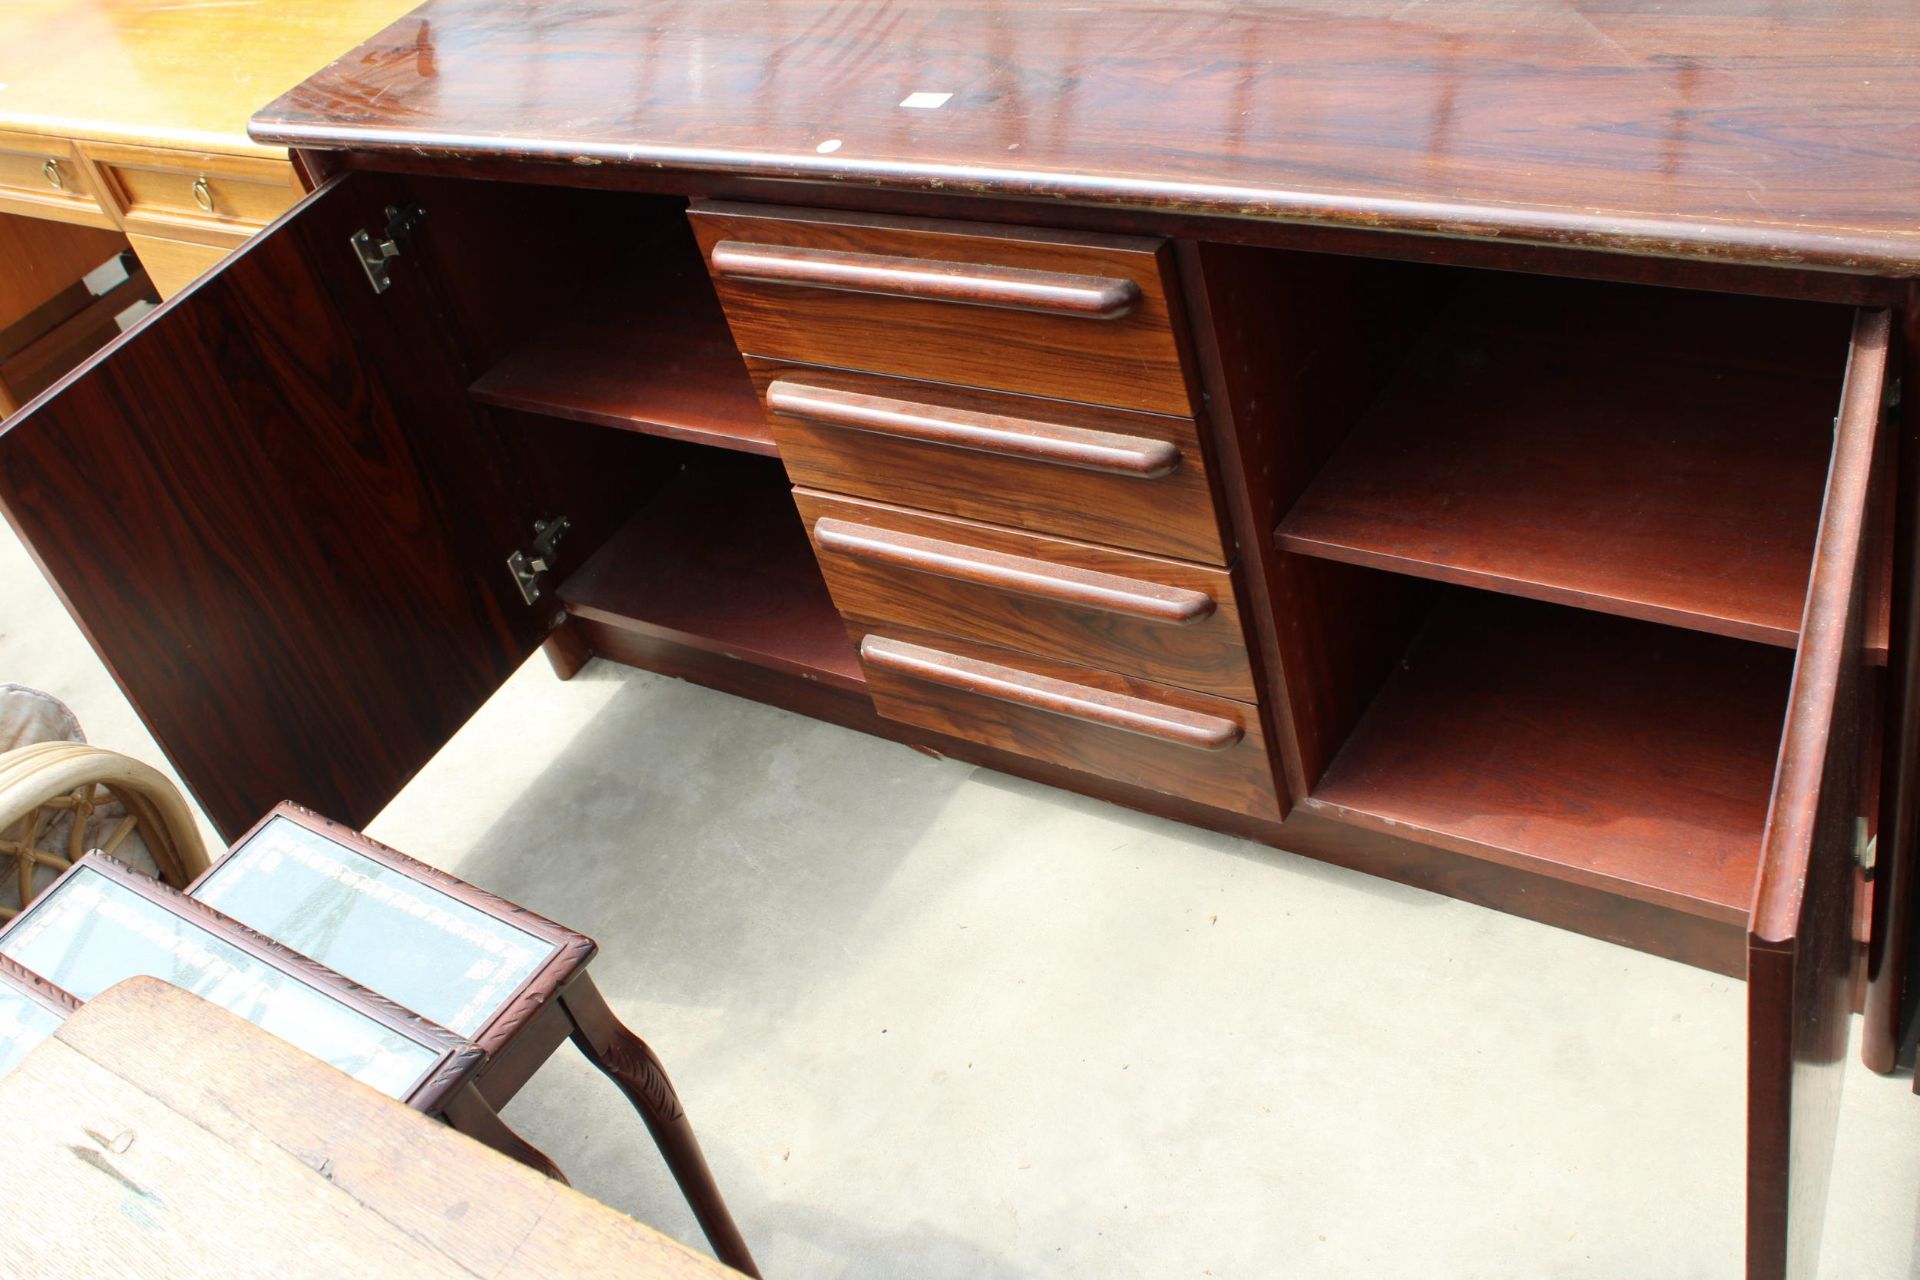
1019 575
1133 456
201 195
55 179
976 284
1043 693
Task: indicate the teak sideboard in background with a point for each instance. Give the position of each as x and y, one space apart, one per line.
1461 446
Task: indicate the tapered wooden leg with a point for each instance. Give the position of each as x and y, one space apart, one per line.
467 1112
566 649
629 1063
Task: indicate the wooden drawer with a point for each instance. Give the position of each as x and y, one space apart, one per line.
44 177
193 196
1072 316
1143 616
1206 749
1124 479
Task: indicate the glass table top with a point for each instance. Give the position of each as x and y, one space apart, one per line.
448 961
89 932
24 1023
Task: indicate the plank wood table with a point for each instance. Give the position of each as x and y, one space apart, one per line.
164 1137
1455 441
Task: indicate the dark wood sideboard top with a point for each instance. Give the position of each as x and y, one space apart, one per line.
1752 131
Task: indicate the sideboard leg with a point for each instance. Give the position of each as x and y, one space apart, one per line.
629 1063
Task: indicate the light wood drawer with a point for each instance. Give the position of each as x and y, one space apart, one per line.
45 177
1124 479
193 196
1210 750
1076 317
1145 616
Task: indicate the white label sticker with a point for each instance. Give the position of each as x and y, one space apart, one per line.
925 101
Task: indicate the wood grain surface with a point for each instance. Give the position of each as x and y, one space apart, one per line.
1725 130
720 560
1170 514
149 1100
950 310
1147 616
160 73
298 580
1199 747
1618 754
1800 968
1654 454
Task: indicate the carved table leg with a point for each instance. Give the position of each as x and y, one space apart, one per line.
629 1063
467 1112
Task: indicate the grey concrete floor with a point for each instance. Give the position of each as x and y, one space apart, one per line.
936 1022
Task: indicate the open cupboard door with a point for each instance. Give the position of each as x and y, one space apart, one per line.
272 512
1799 944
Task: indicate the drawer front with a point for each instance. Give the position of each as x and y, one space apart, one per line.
1124 479
45 177
1080 317
1157 619
185 195
1205 749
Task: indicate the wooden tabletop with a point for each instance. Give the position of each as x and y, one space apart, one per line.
1742 130
167 73
157 1135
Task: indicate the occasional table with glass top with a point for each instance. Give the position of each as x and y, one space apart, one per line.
511 981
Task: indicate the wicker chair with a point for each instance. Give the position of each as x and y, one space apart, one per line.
42 783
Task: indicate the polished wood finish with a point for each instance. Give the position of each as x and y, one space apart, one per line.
45 177
928 280
1159 619
930 458
1617 754
313 582
1799 958
199 196
719 560
1073 317
163 1097
1104 451
1207 749
1328 633
1631 131
172 265
153 73
43 260
1684 488
648 351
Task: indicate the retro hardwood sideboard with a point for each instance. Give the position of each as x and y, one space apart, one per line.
1461 445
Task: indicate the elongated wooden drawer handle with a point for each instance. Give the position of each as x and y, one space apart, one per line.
1080 447
973 283
1043 693
1020 575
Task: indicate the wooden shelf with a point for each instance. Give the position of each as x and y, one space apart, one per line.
1639 452
1617 754
651 353
719 561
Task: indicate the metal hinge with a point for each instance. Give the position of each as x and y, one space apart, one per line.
537 557
375 255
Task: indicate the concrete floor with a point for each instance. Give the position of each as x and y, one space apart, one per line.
937 1022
